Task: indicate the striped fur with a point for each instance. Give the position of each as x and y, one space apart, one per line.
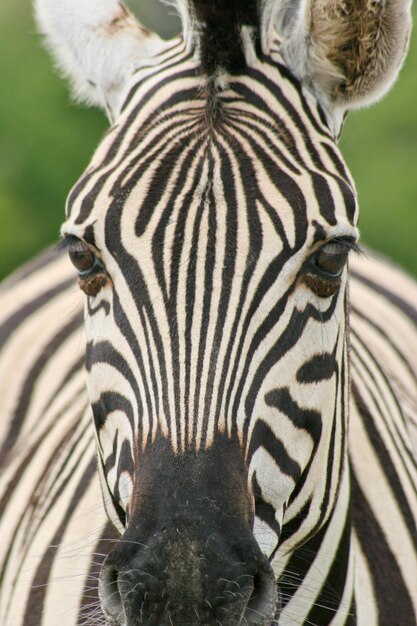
232 407
51 547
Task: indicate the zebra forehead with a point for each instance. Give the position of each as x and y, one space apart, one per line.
259 128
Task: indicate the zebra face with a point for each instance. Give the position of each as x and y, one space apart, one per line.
211 233
214 262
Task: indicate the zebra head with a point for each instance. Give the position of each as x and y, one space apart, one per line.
211 234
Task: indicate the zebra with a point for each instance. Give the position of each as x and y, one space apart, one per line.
246 414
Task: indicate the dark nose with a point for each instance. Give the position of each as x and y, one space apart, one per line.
180 578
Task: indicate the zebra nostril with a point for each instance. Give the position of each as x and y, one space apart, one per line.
261 607
110 598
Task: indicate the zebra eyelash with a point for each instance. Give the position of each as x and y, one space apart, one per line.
72 243
350 243
69 243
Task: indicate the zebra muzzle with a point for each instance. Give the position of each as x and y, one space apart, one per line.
188 555
181 579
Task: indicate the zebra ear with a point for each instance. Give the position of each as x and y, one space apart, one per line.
97 44
348 52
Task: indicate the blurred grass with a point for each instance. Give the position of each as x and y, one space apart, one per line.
46 142
380 146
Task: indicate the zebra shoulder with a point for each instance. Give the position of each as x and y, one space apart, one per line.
383 329
383 437
40 334
51 516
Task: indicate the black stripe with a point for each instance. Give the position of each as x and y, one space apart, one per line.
383 409
128 333
178 59
18 317
246 123
394 602
289 337
229 267
386 463
17 477
304 419
40 262
31 379
286 74
299 563
57 464
120 133
104 352
192 280
109 402
264 437
383 334
406 308
193 159
335 158
319 367
328 601
36 600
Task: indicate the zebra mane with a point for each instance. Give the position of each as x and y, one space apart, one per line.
215 28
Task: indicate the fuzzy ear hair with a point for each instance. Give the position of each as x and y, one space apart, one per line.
97 44
349 52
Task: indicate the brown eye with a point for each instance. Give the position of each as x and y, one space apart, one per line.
331 259
82 259
92 273
323 271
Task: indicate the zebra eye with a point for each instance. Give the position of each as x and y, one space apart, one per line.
92 274
82 258
331 259
324 269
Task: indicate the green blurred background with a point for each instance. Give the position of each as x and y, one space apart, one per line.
45 143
